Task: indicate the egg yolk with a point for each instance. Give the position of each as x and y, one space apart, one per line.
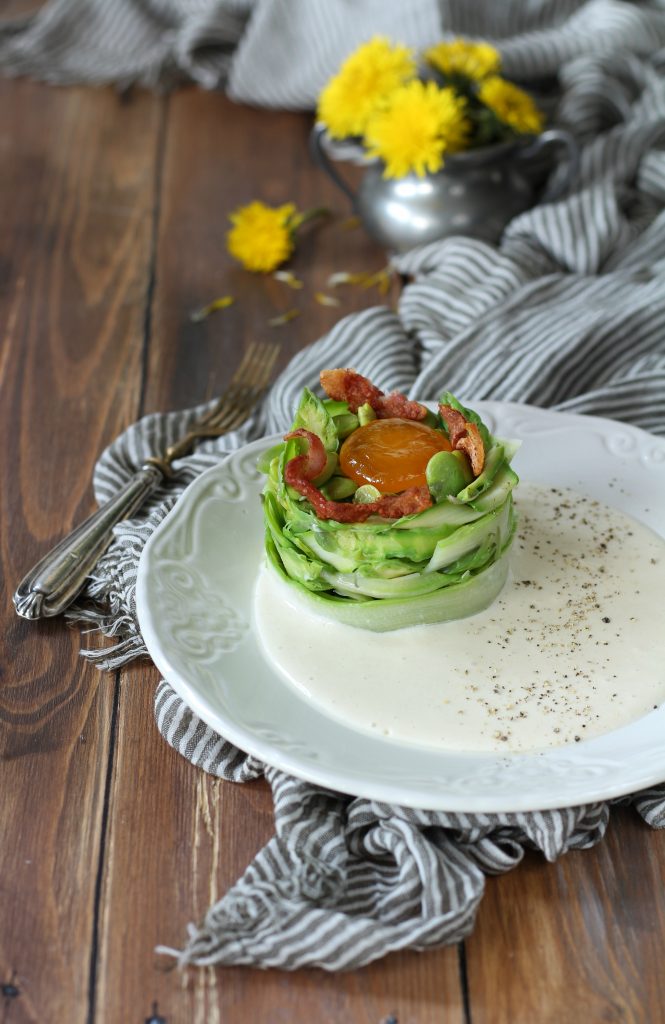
391 454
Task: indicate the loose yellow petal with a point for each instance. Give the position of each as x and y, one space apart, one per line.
222 303
343 277
380 280
326 300
338 278
288 277
511 105
362 84
284 318
464 58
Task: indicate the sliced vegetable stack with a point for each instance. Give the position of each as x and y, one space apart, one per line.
382 514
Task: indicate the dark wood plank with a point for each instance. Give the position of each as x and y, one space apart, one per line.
21 8
178 840
219 156
579 940
78 182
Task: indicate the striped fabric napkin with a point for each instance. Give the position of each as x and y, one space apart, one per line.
568 311
279 53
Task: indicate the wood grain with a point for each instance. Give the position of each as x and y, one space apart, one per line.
113 218
78 179
219 155
579 940
177 839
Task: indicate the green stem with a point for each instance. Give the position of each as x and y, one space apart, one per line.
303 218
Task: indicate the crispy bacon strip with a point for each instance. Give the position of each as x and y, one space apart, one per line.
302 469
473 447
455 423
464 437
313 460
399 406
349 386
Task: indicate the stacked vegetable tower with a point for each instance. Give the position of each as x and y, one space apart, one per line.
381 513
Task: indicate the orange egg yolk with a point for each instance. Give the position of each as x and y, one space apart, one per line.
392 454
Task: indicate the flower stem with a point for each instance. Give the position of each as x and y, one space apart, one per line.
307 215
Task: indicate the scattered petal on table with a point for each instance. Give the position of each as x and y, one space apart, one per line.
288 277
381 279
284 318
222 303
326 300
344 277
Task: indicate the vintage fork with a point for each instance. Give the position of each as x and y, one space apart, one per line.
56 580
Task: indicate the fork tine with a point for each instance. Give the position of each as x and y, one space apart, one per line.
245 390
239 403
235 382
263 356
231 417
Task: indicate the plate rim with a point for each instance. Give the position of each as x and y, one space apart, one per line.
391 793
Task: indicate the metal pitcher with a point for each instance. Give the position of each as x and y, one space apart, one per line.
476 193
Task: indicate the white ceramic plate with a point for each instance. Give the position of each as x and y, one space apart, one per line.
194 598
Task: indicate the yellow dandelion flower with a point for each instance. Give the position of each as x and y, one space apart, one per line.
420 124
261 237
465 58
511 105
362 84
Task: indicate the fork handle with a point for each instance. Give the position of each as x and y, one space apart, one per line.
56 580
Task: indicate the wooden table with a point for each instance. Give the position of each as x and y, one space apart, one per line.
113 222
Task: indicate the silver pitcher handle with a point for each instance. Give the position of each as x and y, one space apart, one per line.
320 157
556 137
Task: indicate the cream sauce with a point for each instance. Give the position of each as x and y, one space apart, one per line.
573 647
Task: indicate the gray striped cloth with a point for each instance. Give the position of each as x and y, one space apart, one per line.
568 311
279 53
